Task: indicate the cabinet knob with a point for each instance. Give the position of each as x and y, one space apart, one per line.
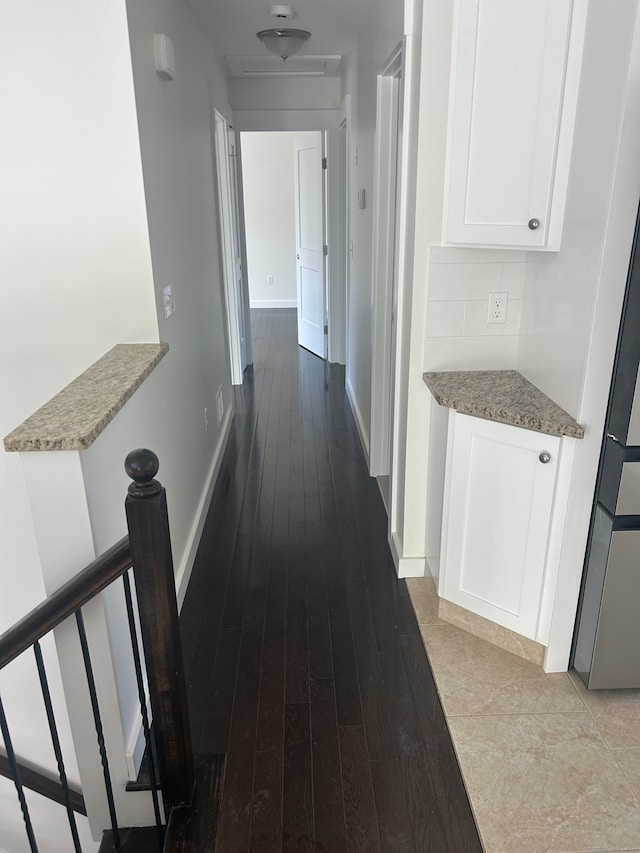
533 224
544 457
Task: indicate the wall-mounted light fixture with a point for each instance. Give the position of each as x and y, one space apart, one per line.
283 42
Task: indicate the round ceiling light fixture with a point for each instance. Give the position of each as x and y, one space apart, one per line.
283 42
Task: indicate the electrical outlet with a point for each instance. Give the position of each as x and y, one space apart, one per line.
206 419
168 301
497 312
269 279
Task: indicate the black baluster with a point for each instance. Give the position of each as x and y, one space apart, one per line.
143 707
46 695
99 731
11 756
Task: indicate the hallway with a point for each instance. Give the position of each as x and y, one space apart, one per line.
304 660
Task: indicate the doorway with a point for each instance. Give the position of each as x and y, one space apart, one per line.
288 225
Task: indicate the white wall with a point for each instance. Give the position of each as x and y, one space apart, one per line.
75 263
269 208
177 160
45 814
572 298
560 287
287 93
79 273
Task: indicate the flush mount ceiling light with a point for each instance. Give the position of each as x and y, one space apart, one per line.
283 42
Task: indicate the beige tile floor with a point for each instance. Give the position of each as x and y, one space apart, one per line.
549 766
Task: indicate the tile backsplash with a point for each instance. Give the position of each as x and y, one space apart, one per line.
458 336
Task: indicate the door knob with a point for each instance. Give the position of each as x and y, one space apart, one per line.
544 457
533 224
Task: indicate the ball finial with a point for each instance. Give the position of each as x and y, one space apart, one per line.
142 466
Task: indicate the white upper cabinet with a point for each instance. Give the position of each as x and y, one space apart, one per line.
515 77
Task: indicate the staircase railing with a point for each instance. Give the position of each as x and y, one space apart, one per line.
147 552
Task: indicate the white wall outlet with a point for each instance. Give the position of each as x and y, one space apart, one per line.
497 312
219 406
168 301
206 419
269 279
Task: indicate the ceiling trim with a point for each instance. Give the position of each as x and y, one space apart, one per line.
273 66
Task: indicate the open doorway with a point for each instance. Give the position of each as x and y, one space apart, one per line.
288 225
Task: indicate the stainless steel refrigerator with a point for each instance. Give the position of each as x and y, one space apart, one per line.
606 643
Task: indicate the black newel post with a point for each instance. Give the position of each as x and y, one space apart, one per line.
146 508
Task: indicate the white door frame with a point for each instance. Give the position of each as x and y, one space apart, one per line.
336 230
227 247
330 121
385 218
242 235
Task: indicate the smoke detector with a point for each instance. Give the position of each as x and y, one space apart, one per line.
282 13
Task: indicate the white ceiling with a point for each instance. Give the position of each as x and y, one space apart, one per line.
232 26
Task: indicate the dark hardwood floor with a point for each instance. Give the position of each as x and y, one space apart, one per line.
304 661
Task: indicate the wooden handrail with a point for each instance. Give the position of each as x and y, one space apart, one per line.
65 601
44 785
148 550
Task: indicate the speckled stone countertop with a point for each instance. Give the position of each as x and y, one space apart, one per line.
504 396
74 418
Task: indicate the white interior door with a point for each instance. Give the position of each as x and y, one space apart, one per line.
310 266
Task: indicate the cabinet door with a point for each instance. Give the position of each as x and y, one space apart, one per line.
511 120
496 524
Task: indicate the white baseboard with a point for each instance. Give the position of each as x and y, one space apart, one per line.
395 546
411 567
364 438
406 567
433 568
273 303
183 574
136 746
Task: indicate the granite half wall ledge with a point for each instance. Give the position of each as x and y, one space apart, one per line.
74 418
501 395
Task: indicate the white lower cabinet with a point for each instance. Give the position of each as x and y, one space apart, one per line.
498 504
